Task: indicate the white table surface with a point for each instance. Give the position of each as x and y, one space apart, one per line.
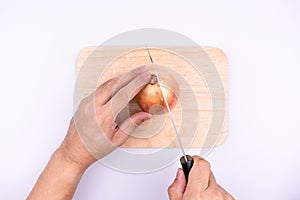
39 43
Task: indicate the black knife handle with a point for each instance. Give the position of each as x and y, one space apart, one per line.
186 166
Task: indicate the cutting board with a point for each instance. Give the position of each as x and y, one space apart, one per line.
113 61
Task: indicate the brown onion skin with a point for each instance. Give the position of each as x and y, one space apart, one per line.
151 99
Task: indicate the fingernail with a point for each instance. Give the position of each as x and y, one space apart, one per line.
149 116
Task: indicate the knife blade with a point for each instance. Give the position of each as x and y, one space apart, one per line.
186 160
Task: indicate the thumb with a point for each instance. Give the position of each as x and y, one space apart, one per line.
177 188
128 126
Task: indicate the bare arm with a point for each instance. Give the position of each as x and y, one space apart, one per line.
93 133
58 180
85 142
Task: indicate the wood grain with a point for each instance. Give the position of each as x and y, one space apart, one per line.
113 61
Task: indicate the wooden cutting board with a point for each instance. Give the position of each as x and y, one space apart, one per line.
113 61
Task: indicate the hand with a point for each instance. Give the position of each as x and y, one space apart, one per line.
201 185
93 132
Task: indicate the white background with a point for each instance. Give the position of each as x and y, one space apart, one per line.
39 43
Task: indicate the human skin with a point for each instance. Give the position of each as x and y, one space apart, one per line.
93 134
202 184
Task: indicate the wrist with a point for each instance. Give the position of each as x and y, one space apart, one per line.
72 150
58 180
61 156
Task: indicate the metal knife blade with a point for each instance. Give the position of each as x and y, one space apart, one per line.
168 107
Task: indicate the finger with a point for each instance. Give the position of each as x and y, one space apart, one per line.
106 90
177 188
125 94
128 126
199 175
212 180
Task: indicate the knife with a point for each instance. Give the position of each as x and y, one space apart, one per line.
186 160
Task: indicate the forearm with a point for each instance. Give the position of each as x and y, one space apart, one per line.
94 135
58 180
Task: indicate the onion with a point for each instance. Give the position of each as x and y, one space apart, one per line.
151 99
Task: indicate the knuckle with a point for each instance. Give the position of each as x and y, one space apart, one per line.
104 114
106 109
109 85
171 189
192 194
114 82
108 119
122 95
217 195
203 164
